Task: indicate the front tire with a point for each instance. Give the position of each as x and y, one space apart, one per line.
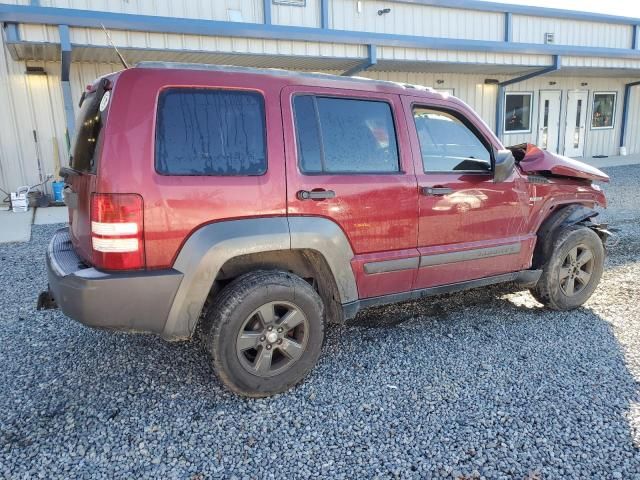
265 332
572 272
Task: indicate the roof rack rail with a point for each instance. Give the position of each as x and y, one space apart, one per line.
271 71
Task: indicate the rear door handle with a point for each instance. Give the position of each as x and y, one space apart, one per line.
436 191
315 194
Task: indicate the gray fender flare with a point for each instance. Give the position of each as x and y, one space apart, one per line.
209 247
564 216
328 239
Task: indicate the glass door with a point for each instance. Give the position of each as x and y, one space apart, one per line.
575 125
549 120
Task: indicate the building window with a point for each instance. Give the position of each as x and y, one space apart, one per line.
517 112
234 15
341 135
295 3
210 132
604 110
448 145
448 91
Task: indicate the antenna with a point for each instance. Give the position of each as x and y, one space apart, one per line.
122 60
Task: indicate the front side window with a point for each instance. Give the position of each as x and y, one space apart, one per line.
517 112
447 144
604 110
210 132
340 135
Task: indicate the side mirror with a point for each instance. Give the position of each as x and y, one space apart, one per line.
503 165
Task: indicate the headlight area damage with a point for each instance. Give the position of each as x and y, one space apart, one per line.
533 160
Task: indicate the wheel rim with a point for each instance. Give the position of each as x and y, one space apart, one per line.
272 338
576 270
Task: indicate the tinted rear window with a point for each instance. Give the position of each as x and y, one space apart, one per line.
210 132
341 135
89 126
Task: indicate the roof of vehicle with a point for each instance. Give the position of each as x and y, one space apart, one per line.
277 72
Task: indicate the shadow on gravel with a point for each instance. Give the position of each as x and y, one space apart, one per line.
436 306
510 384
478 383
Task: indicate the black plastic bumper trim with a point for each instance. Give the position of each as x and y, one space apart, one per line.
131 301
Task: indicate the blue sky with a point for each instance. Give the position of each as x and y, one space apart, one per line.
625 8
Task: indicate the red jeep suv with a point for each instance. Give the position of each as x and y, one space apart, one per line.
262 204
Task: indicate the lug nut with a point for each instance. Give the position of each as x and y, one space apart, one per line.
262 339
268 347
270 328
280 330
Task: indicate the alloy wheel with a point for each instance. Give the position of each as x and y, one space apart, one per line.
576 270
272 338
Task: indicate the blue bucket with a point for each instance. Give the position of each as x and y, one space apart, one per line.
57 191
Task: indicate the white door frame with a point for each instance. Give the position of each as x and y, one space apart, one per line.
553 120
574 125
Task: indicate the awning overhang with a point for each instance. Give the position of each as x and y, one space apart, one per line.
50 52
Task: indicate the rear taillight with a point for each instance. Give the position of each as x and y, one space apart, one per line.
117 231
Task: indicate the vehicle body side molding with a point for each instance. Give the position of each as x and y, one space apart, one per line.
212 245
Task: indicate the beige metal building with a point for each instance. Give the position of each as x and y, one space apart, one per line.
565 80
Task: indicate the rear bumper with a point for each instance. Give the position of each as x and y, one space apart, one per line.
132 301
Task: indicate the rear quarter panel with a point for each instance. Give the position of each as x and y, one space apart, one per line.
176 205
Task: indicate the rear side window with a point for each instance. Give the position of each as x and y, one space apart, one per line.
447 144
339 135
210 132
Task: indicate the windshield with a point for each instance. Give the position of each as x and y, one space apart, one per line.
91 119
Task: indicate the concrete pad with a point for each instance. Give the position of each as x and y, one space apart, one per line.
45 216
15 227
613 161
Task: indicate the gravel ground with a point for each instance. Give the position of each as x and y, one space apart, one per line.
485 384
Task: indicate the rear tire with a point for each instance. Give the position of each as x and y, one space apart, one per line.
264 332
572 272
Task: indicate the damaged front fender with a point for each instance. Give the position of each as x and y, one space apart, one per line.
534 160
573 214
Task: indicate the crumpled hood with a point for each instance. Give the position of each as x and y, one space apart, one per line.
532 159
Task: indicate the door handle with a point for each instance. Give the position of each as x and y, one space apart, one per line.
315 194
436 191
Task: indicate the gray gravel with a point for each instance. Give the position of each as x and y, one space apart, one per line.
485 384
